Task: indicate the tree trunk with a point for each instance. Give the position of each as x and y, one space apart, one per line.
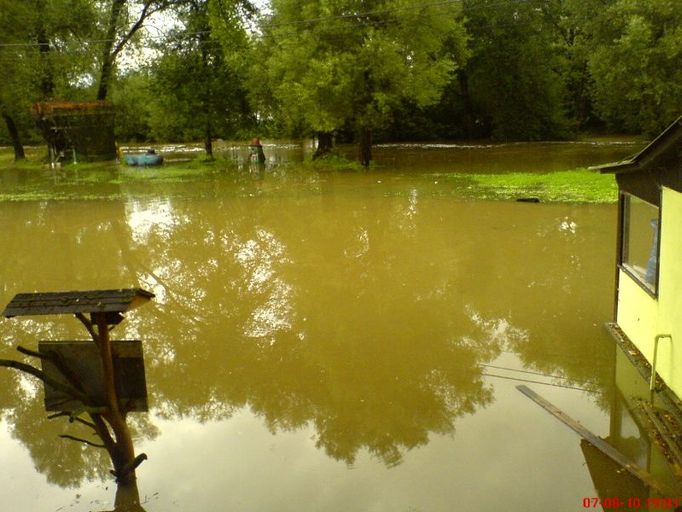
468 117
123 452
107 55
208 142
46 71
128 498
14 135
105 76
208 88
365 147
208 121
325 142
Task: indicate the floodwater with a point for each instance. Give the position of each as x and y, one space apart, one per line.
334 343
466 157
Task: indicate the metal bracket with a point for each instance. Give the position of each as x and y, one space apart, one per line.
652 382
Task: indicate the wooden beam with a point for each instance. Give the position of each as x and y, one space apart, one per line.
599 443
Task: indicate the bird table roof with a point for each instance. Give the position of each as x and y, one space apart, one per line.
92 301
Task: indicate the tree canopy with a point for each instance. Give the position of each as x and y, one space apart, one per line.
351 69
348 63
636 62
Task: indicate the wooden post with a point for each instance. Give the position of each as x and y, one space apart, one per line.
123 456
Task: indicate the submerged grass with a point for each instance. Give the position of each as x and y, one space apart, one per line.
32 179
333 162
575 186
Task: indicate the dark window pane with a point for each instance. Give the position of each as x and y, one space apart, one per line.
640 240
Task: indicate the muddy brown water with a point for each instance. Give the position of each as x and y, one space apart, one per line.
349 344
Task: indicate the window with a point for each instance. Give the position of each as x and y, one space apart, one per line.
640 241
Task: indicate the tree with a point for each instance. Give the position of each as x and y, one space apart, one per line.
197 82
573 50
123 19
331 64
635 61
133 96
40 56
515 76
14 45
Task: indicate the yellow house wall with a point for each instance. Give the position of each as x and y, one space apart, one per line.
641 316
637 314
670 291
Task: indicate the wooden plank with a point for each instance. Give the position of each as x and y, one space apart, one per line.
53 303
598 443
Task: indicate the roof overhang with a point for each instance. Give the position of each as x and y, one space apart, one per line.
647 158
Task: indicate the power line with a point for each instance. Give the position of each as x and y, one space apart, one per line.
518 379
530 372
524 371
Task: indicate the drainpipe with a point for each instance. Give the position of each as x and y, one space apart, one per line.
652 382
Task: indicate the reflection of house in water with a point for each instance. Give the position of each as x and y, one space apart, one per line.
630 434
648 316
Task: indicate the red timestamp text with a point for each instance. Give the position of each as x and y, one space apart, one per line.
633 503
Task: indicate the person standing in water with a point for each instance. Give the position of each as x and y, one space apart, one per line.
256 153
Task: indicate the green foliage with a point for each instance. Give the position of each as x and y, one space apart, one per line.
132 96
332 162
515 75
197 84
636 62
40 54
512 70
355 61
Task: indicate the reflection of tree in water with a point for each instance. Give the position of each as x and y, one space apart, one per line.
367 322
307 323
569 300
289 321
63 462
73 260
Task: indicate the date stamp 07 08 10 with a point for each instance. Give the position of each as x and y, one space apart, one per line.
632 503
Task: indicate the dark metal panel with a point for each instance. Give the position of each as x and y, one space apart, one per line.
82 363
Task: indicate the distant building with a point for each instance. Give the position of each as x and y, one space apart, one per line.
77 131
649 250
